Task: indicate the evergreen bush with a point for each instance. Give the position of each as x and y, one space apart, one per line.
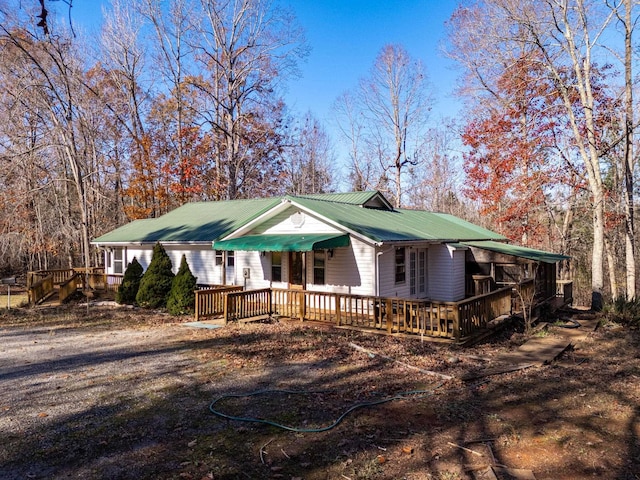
155 284
182 296
128 289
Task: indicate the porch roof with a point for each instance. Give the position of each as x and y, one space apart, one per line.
518 251
284 242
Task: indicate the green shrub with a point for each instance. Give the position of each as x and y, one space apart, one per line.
128 289
182 296
155 284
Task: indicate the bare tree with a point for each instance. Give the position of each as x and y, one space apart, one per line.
391 107
624 13
246 48
435 182
310 159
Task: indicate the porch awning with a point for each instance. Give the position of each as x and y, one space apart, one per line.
284 242
518 251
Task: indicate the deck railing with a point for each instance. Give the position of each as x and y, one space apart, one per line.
474 313
394 315
40 289
70 286
41 284
210 301
564 289
247 304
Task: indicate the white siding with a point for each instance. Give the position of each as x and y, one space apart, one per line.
282 223
446 273
350 270
387 266
457 275
140 253
259 270
201 260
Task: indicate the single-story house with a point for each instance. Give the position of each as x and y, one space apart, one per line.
349 243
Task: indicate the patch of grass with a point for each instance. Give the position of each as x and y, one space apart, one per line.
541 333
16 300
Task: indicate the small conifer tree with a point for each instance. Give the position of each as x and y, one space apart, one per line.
128 289
156 281
182 295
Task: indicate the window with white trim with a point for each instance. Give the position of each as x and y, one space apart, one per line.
276 266
319 267
401 266
118 260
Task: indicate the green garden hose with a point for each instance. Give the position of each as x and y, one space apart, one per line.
398 396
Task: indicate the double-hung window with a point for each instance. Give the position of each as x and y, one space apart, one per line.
401 266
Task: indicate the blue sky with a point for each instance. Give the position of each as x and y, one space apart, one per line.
346 36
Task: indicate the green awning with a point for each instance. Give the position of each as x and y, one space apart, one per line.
283 242
517 251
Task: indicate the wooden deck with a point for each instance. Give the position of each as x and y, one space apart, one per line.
450 320
57 286
393 316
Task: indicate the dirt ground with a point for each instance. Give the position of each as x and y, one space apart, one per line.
125 393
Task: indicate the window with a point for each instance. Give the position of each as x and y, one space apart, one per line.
219 258
401 268
318 267
413 270
231 260
118 260
276 266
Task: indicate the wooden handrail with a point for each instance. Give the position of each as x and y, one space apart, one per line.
40 290
70 287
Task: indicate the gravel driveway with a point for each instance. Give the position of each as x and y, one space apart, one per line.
65 394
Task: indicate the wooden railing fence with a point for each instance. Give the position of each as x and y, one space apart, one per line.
394 315
41 284
247 304
40 289
455 320
70 287
210 301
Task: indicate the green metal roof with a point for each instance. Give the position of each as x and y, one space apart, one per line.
398 225
284 242
518 251
204 222
351 198
192 222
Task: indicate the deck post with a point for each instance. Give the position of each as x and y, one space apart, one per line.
225 310
336 304
389 314
301 304
456 322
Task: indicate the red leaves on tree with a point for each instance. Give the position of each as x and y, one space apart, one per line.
507 163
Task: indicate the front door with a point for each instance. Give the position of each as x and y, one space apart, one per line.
296 270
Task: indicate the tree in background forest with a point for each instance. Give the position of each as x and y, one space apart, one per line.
245 48
384 121
177 101
309 159
565 40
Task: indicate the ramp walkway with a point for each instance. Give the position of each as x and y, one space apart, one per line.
540 351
